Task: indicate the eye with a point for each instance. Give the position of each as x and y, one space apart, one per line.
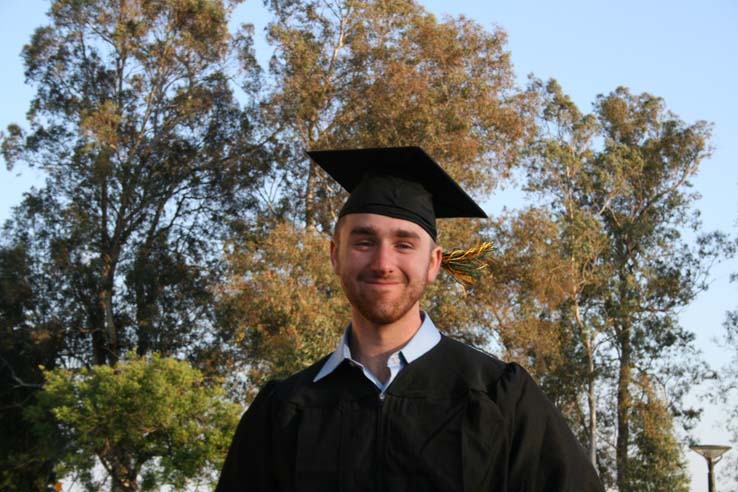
363 243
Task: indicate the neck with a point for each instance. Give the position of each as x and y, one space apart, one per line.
372 343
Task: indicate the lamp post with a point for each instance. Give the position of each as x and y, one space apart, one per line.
712 454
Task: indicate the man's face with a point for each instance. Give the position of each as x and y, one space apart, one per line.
384 264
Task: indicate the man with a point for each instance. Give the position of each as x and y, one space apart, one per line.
398 406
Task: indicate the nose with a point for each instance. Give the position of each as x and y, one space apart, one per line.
382 262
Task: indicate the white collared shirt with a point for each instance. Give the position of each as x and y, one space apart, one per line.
424 339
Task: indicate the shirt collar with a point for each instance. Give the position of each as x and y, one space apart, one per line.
424 339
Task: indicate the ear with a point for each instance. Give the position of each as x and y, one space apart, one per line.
334 255
435 263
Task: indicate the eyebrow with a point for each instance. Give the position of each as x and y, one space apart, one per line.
371 231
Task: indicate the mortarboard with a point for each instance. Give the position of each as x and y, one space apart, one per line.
399 182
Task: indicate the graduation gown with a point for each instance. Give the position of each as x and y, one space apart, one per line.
455 419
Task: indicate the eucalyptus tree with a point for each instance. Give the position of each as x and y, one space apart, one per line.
349 73
370 73
617 185
146 155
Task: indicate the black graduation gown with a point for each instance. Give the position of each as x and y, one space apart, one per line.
455 419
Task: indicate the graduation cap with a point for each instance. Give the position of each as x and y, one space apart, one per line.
399 182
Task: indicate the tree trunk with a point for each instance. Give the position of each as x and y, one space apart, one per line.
592 403
310 197
145 300
624 404
106 305
96 329
144 329
124 478
586 337
123 485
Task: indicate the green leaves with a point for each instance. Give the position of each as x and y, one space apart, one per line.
150 416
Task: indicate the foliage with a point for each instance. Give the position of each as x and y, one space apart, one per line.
146 155
603 268
153 168
727 388
541 296
27 461
149 421
361 74
369 73
283 305
647 162
657 463
147 158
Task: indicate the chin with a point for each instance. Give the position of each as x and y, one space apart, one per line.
385 316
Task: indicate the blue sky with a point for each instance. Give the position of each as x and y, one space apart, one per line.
683 51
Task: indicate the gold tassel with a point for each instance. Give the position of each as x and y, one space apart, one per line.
466 265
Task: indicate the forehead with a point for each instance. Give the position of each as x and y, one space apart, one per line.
376 224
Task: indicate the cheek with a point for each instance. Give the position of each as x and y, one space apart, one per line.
346 263
415 269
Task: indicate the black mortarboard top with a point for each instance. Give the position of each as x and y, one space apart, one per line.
400 182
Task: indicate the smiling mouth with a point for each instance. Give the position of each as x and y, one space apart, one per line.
380 282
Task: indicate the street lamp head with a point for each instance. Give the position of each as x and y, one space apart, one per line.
710 451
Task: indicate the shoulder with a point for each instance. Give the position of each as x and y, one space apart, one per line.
469 354
456 370
481 370
293 388
512 389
